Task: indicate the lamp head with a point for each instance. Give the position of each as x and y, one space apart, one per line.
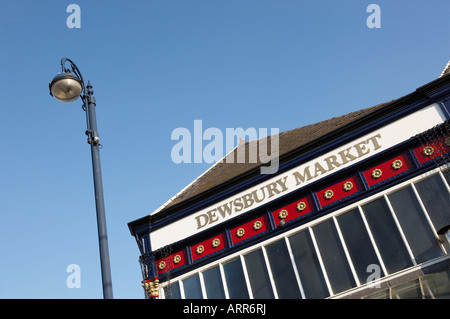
66 87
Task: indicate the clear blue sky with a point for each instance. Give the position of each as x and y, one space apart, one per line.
158 65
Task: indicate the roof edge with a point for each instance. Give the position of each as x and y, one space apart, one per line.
389 107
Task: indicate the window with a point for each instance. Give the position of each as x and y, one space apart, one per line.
213 283
432 286
387 237
435 197
356 238
446 174
237 287
308 266
172 291
258 275
436 285
410 290
415 226
380 295
192 288
333 256
282 270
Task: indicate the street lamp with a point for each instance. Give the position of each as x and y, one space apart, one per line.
67 86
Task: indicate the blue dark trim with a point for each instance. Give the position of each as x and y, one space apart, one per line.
141 234
444 108
315 200
189 258
412 157
228 237
271 219
362 180
154 268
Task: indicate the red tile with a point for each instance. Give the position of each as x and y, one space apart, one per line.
208 246
293 210
171 262
387 169
249 229
339 190
433 149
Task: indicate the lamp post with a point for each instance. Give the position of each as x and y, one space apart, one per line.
67 86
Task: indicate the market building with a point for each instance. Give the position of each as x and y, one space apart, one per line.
358 208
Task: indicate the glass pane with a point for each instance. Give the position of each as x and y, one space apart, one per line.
192 289
258 275
379 295
358 244
234 276
435 198
437 286
333 256
386 235
308 266
213 283
282 270
447 175
172 291
410 290
415 226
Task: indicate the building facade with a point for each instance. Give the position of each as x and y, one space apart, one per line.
358 208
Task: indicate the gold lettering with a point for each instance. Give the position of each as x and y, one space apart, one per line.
248 200
346 156
374 141
226 208
199 223
319 168
255 195
332 161
212 216
272 189
238 206
282 183
361 149
299 178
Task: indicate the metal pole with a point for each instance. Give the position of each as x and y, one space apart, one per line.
94 140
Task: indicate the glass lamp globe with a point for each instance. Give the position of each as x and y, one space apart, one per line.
65 87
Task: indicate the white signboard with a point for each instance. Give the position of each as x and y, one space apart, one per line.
300 176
